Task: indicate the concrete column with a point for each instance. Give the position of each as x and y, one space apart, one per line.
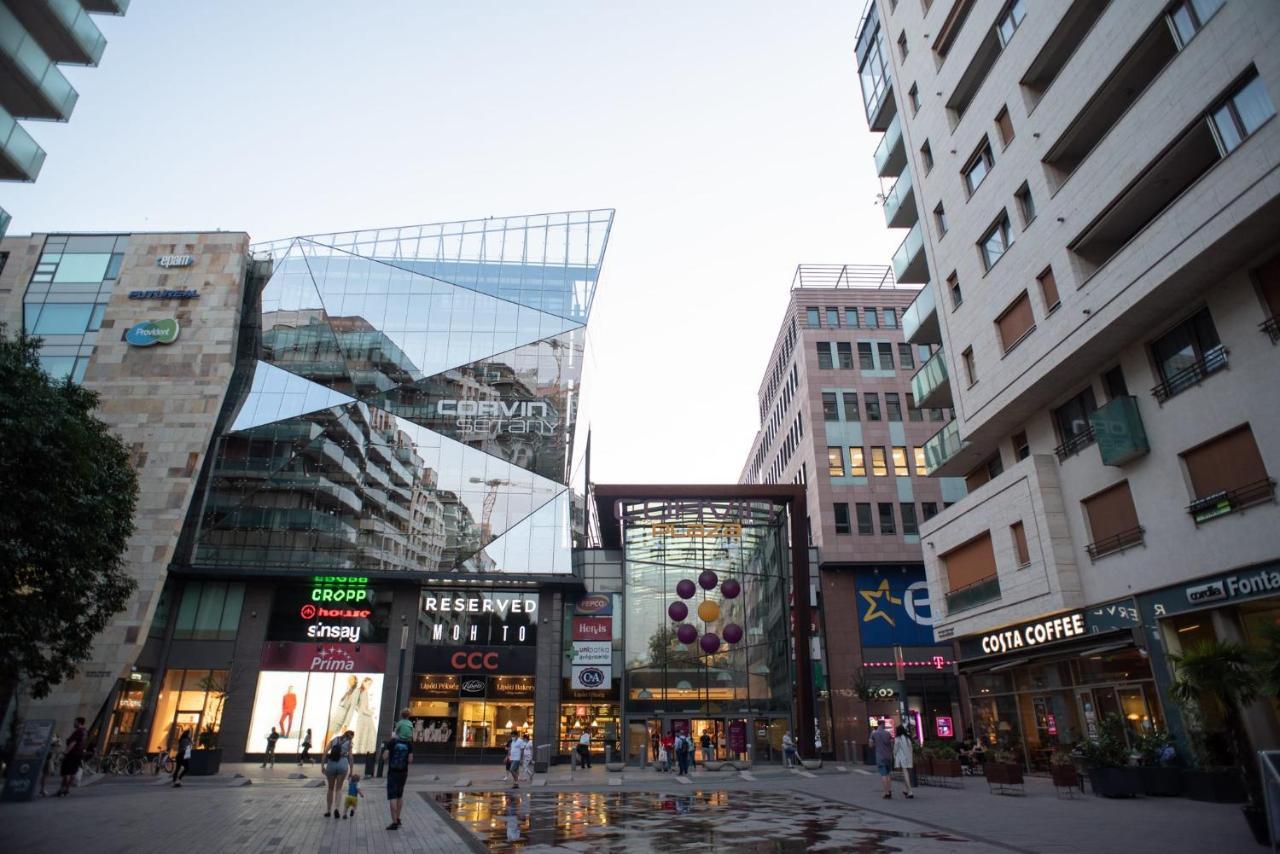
245 665
548 670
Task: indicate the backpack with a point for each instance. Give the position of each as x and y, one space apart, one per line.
682 745
335 750
398 759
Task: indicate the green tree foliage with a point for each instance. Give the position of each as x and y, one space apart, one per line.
69 493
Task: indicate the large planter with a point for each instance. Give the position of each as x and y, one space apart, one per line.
1002 776
1223 786
1064 776
1160 782
1115 782
946 767
205 763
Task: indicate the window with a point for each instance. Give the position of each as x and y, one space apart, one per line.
879 463
1004 127
833 317
1113 383
835 462
968 566
824 355
970 369
1049 289
953 288
857 463
886 356
886 519
1242 113
830 409
1021 449
1026 204
905 359
1009 21
914 413
990 469
935 415
977 167
866 361
890 318
1113 520
851 406
872 402
892 406
210 610
851 317
909 526
842 519
63 319
1020 550
922 466
902 45
926 157
1188 16
928 509
864 518
996 241
1226 473
913 97
900 462
1016 322
844 355
940 219
1187 354
1072 421
873 320
811 317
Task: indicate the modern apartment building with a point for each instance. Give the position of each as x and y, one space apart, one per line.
36 36
1092 190
839 418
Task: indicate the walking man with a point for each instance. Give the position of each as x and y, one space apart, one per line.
271 748
399 757
684 747
306 748
584 749
882 741
76 744
182 759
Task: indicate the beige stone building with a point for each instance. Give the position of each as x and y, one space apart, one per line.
1092 191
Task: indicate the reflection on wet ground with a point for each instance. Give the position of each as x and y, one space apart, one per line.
742 822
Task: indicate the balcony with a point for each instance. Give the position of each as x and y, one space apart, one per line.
1114 544
973 595
931 385
942 446
1117 426
1193 374
891 153
1271 326
4 221
1074 444
31 86
1232 500
920 320
106 7
900 204
20 156
64 29
909 265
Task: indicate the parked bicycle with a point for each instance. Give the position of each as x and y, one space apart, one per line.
161 762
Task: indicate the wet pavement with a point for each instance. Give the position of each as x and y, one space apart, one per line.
744 822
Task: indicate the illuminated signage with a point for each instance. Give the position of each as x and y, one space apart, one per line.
592 628
179 293
500 416
1034 634
150 332
330 609
590 678
942 726
340 588
497 604
592 652
594 605
474 661
724 530
174 261
477 618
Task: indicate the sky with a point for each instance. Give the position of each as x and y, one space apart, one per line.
729 136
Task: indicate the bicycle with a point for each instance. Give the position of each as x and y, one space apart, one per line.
161 761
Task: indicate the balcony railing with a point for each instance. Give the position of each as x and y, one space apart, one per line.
909 266
1210 363
920 319
24 155
1232 500
1271 326
53 97
1118 428
1117 543
5 218
900 204
931 385
942 446
1075 444
891 154
973 595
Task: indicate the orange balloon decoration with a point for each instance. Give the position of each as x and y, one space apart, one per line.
709 611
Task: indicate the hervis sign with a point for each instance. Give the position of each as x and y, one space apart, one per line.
150 332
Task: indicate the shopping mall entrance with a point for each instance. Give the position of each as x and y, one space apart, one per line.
729 738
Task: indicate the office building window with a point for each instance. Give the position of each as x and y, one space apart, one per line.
902 45
864 519
978 165
1188 16
835 462
1010 19
824 355
970 368
886 355
900 462
908 512
914 413
886 519
1021 449
996 241
842 518
833 317
210 610
905 358
873 320
1020 550
1229 468
926 157
872 401
935 415
1187 354
1004 126
844 355
922 467
953 288
857 464
940 219
851 406
1015 322
830 408
892 406
890 318
812 319
851 318
866 361
879 462
1049 289
1242 113
928 509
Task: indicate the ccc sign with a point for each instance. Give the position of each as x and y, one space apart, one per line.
474 661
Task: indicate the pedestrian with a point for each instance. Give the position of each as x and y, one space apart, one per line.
399 757
337 764
684 749
789 755
705 742
52 759
182 758
304 756
272 738
515 754
404 726
584 749
668 751
77 742
882 741
353 796
526 760
902 758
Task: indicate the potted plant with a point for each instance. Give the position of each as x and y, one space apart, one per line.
946 763
1156 773
1003 770
1223 677
1107 756
206 758
1062 768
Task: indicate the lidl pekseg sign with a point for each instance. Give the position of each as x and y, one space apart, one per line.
150 332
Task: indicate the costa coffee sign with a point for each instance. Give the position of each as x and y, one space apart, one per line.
324 658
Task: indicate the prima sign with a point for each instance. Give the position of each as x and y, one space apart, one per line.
1034 634
167 261
500 416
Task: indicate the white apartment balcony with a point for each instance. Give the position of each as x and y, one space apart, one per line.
20 156
31 86
909 264
891 153
931 385
64 29
920 319
900 204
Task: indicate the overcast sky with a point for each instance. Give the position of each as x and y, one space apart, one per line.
729 136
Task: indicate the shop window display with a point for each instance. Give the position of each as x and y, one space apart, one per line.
601 720
189 700
325 703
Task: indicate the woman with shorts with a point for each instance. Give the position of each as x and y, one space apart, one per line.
337 765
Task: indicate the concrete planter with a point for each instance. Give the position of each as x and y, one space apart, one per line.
205 763
1115 782
717 765
811 764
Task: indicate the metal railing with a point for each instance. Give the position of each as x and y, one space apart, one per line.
1271 326
843 276
1075 444
1210 363
1116 543
904 258
1231 500
884 152
972 595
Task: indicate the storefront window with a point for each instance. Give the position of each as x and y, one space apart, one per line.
131 698
210 610
601 721
453 713
189 701
996 724
1124 665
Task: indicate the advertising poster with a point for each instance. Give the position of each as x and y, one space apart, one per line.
893 609
325 703
737 736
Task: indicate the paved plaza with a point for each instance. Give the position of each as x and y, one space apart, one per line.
469 808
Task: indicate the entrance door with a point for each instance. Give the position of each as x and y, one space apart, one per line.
638 742
768 734
188 722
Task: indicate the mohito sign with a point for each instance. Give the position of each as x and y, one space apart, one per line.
1034 634
324 658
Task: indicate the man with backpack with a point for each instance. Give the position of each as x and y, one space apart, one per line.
399 758
684 749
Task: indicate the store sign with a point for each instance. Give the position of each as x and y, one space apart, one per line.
942 726
592 628
893 608
480 661
511 687
340 589
490 603
22 778
473 687
345 610
150 332
594 605
1055 629
324 658
167 261
591 678
592 652
472 618
737 736
179 293
712 530
436 685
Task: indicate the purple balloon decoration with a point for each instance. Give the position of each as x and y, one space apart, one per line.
709 643
686 634
707 580
731 588
685 589
732 633
677 611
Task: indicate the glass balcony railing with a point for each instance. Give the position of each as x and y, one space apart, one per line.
106 7
973 595
942 446
81 27
931 385
55 98
4 221
24 156
900 204
1118 429
920 320
909 266
891 153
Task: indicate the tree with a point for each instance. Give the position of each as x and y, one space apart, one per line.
69 494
